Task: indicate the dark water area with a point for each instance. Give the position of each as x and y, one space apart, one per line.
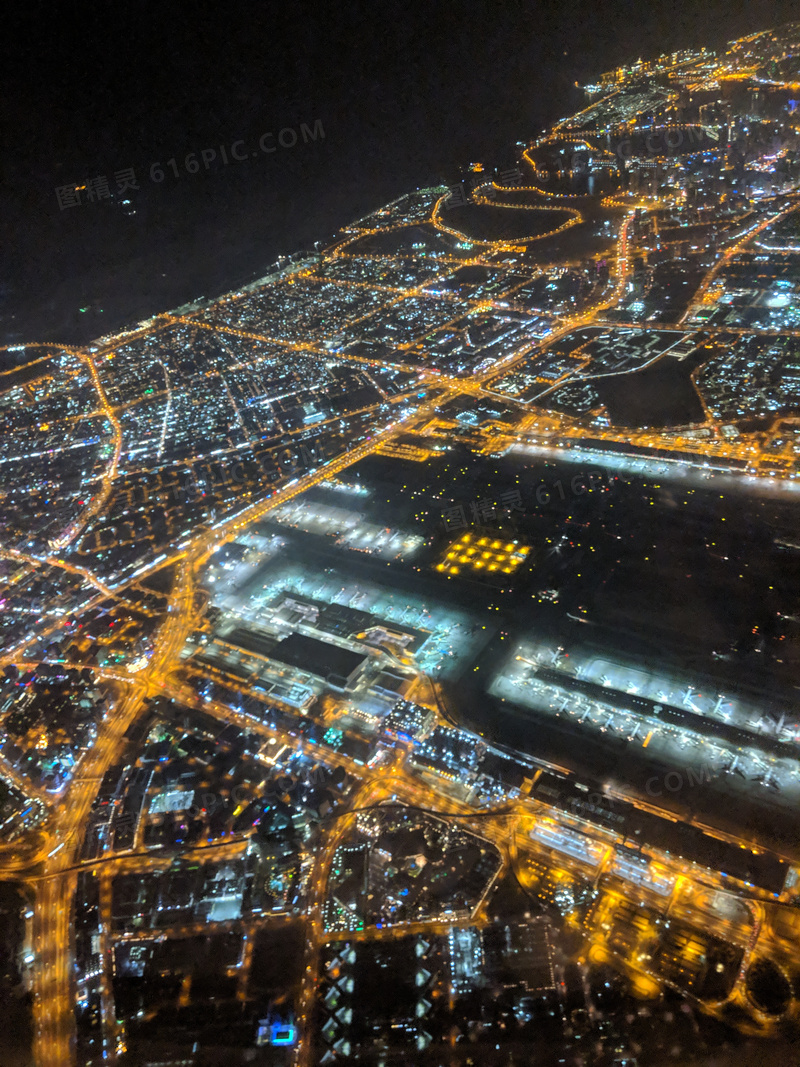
659 396
121 91
581 183
662 142
196 236
484 223
570 168
407 97
409 241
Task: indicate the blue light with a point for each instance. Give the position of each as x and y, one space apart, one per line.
282 1034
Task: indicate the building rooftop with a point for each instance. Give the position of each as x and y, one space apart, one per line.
318 657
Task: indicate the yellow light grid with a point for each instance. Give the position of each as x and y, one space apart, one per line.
471 553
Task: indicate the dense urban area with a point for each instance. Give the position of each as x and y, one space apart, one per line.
400 655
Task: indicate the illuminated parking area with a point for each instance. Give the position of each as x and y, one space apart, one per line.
475 555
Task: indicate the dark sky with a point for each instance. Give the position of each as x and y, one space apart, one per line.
406 94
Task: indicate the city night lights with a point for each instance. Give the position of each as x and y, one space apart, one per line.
400 652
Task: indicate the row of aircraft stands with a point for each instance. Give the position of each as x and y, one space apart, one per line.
648 830
667 713
623 448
